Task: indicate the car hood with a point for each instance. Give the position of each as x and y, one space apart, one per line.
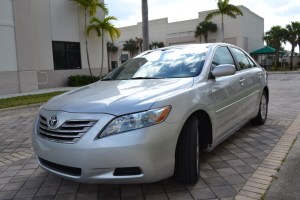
117 97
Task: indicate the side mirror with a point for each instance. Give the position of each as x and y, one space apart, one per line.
223 70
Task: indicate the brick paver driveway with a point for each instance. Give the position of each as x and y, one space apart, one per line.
223 171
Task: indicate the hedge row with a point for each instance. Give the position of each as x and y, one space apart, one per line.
82 80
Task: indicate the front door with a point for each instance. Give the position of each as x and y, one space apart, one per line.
227 94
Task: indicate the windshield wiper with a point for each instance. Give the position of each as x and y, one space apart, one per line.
147 77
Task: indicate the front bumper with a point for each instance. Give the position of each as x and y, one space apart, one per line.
152 149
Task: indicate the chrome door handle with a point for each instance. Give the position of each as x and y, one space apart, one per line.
259 74
242 81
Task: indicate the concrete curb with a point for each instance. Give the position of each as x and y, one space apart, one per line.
260 181
283 72
19 109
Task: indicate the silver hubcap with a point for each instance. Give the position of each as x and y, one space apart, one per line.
263 107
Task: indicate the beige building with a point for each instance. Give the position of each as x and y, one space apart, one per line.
245 31
42 44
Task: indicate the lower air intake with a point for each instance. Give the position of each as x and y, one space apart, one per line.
61 168
127 171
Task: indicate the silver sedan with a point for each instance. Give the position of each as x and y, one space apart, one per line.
149 118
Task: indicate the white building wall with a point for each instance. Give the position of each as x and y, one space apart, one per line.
244 31
8 56
42 36
64 21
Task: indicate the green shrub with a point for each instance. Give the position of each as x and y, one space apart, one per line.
82 80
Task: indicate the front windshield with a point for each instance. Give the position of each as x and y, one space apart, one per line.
177 62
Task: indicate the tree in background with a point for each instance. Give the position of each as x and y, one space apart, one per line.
139 42
293 30
160 45
155 45
103 27
198 33
111 48
203 28
145 25
298 42
92 6
224 8
130 45
274 37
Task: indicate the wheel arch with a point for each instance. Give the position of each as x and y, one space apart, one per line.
266 90
207 139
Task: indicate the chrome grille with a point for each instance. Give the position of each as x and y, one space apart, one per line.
69 132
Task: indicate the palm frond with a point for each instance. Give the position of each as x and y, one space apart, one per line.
230 14
212 14
233 9
103 6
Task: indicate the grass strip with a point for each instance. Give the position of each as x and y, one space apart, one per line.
27 99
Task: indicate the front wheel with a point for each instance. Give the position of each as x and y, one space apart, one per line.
263 111
188 153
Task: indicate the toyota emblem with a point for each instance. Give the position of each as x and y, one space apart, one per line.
53 121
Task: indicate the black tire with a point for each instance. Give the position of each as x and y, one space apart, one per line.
261 117
188 153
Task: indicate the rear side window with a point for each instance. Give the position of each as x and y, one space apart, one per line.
241 58
222 56
251 62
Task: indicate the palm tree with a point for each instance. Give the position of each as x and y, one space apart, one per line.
145 25
160 45
298 40
224 8
156 45
204 27
139 42
92 6
274 37
110 48
199 32
293 30
102 27
130 45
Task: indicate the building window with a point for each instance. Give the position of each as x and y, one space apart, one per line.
114 64
66 55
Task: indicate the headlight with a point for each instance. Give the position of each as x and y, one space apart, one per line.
135 121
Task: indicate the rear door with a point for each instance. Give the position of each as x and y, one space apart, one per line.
251 75
227 94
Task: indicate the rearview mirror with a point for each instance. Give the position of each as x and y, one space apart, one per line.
223 70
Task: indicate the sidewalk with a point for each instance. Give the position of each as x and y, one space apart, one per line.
40 91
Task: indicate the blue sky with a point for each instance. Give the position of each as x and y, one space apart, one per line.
274 12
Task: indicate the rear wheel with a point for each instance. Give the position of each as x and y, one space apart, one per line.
263 111
188 153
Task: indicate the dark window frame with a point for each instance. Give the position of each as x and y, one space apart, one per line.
236 57
67 56
230 53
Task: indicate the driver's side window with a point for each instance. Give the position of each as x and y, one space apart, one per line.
222 56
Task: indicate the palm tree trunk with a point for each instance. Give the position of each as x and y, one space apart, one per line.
108 63
292 57
205 37
145 25
222 28
87 49
102 54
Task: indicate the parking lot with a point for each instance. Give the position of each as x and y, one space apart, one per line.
224 171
